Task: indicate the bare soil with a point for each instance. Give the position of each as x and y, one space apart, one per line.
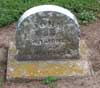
90 33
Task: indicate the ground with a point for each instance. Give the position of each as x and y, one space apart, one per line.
90 33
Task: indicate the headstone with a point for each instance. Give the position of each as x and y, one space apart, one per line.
47 39
47 32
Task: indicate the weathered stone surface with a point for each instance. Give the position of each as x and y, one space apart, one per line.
47 34
40 69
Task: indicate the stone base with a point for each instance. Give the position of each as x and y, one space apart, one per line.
40 69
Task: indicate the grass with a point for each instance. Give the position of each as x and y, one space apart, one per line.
50 81
11 10
1 82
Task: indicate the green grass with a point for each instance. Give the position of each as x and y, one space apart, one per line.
1 82
11 10
50 81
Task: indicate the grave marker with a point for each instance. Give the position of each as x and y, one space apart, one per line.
46 34
47 39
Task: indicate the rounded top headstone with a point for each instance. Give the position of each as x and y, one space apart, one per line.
47 32
43 8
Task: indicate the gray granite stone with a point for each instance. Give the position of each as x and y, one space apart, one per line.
47 32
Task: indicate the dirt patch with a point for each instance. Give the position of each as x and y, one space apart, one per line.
6 34
90 33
